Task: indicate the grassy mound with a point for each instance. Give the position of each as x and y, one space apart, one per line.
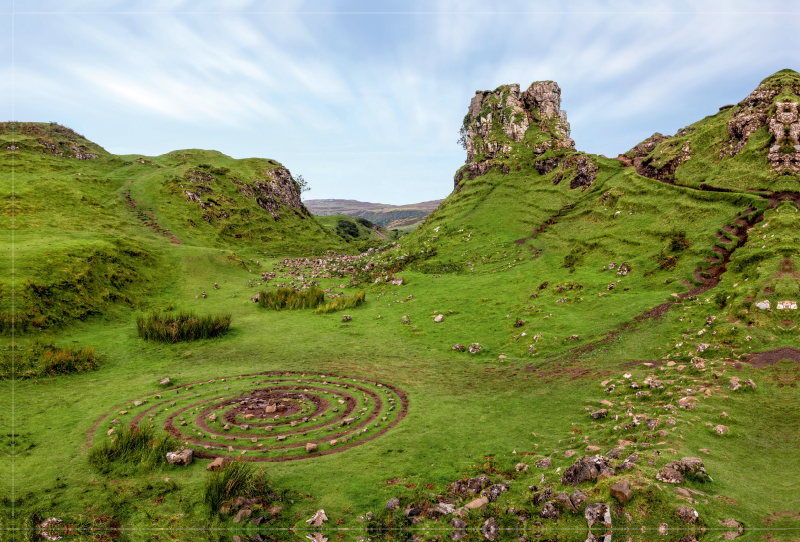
181 327
135 446
46 360
342 303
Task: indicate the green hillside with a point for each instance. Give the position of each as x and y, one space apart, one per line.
566 336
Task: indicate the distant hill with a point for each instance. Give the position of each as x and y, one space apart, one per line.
382 214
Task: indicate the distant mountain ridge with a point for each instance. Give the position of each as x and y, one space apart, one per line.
382 214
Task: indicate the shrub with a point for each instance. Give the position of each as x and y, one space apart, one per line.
287 298
133 445
342 303
347 228
677 240
181 327
236 479
46 360
665 261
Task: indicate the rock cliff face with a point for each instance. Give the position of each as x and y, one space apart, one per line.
501 122
784 155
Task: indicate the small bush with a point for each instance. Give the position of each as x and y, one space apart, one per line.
665 261
236 479
346 228
677 240
342 303
287 298
46 360
135 446
181 327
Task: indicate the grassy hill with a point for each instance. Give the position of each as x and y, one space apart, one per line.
556 305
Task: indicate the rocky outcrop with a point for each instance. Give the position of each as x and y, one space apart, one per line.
784 155
498 119
746 117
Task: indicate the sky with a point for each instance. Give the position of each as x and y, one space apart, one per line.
365 99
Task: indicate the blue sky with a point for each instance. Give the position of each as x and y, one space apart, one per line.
364 99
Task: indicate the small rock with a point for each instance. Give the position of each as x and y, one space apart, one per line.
311 447
217 465
346 318
545 463
663 529
687 514
621 490
392 503
317 519
243 513
490 529
598 513
163 381
549 510
439 318
477 503
459 347
474 348
721 429
181 457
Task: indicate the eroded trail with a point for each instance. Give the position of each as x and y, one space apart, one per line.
549 222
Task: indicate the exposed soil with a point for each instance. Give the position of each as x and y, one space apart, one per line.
771 357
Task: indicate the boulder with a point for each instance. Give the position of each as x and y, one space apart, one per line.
317 519
578 499
585 469
669 475
445 508
621 490
687 514
218 464
549 510
393 503
490 529
544 463
477 503
494 491
598 513
181 457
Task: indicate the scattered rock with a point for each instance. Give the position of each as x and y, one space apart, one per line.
477 503
439 318
393 503
311 447
163 381
346 318
602 413
521 467
459 347
585 469
490 529
317 519
721 429
243 513
181 457
406 321
663 529
474 348
598 513
687 514
544 463
549 510
621 490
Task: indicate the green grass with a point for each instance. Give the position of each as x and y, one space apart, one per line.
287 298
138 446
168 328
342 303
482 261
41 360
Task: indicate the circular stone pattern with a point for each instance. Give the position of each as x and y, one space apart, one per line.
272 416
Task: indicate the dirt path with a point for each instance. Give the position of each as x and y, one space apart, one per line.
549 222
148 220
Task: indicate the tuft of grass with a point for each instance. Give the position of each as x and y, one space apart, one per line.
236 479
181 327
286 298
134 446
46 360
342 303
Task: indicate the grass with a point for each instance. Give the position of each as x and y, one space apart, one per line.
287 298
479 261
168 328
342 303
41 360
138 446
236 479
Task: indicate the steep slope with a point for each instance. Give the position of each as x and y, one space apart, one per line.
89 226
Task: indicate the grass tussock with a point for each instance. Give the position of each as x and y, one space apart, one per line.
42 360
342 303
286 298
236 479
181 327
133 446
